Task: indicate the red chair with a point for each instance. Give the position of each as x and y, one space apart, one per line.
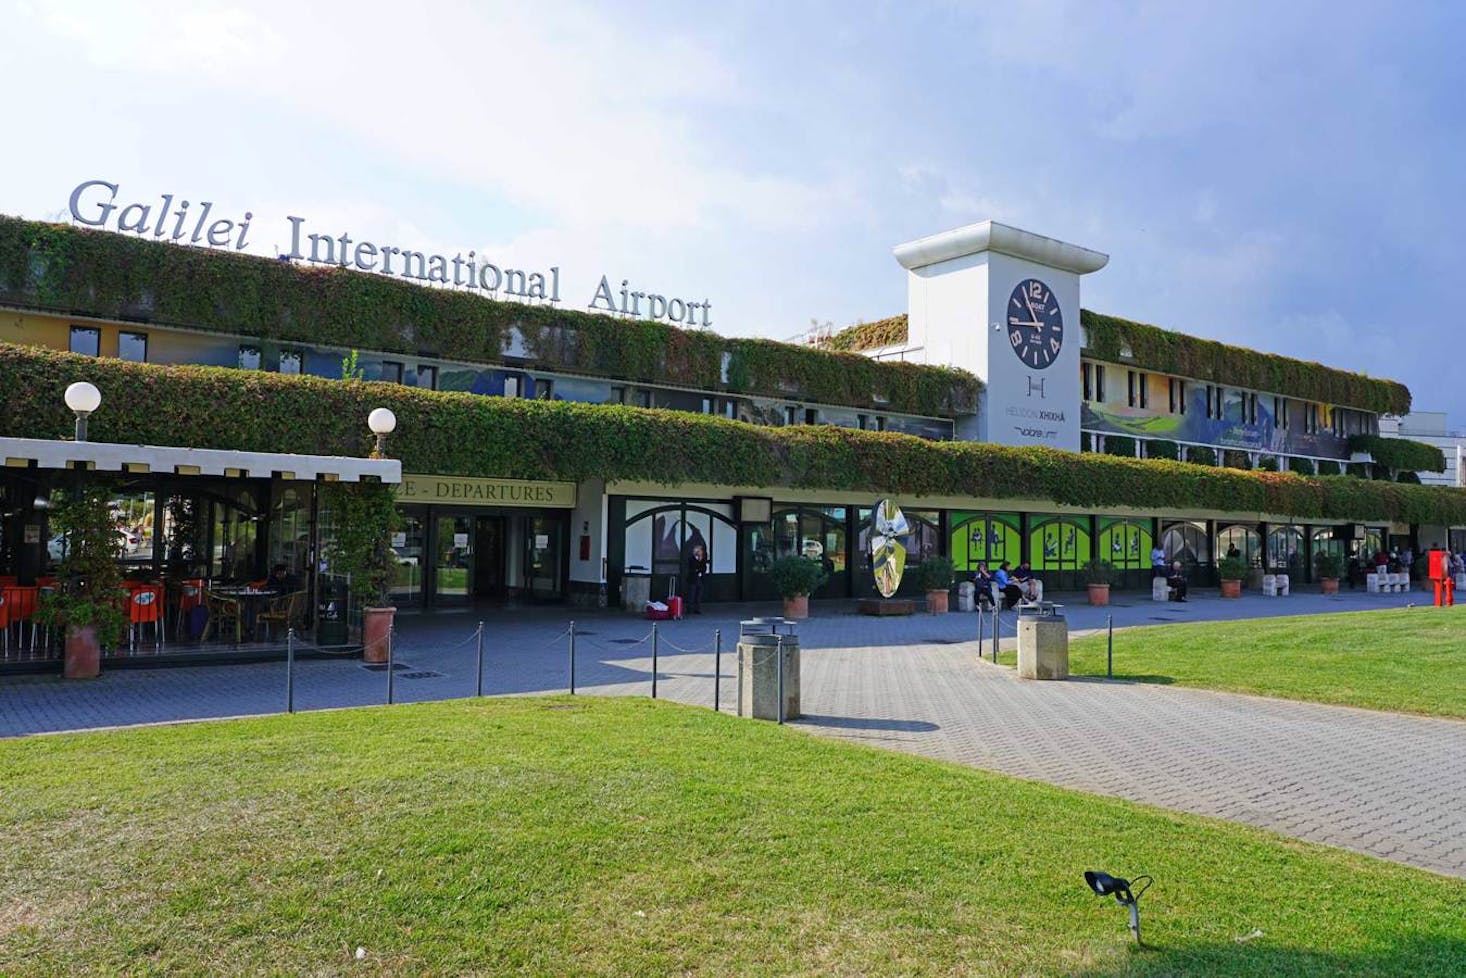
20 607
190 596
145 607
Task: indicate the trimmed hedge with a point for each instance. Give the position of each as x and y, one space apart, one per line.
1121 446
1201 455
1160 448
115 276
870 336
455 433
1163 351
1400 453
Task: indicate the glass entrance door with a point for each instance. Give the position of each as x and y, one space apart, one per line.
544 543
453 558
488 561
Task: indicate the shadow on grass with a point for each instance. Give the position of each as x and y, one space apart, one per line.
1416 956
1126 677
868 723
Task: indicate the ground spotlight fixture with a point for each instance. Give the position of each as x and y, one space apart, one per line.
382 422
1103 884
83 398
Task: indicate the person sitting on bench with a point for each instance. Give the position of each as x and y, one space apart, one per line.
1177 582
1011 592
1026 581
982 580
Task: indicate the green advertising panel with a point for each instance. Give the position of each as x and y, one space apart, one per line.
990 537
1058 542
1125 543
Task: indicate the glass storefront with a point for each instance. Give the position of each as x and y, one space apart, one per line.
456 557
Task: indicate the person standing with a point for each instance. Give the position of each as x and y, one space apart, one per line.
697 568
1157 561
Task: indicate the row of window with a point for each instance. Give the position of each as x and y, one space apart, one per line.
1243 404
87 340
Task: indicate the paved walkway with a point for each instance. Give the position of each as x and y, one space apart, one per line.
1388 785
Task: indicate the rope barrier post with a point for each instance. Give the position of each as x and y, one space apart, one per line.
654 660
479 689
717 670
996 621
572 658
981 638
738 694
1109 646
779 664
290 671
391 673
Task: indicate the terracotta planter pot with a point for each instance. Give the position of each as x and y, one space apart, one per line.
797 606
1330 585
376 633
1099 595
936 602
1231 589
83 654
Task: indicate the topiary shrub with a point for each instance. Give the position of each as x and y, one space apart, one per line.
934 574
1328 468
1232 569
1200 455
1267 463
1407 476
1300 466
1162 449
795 576
1120 445
1236 460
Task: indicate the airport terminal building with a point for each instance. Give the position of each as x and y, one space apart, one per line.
551 455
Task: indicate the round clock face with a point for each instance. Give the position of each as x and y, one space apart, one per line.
1035 324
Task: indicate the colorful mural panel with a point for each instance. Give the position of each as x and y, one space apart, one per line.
990 537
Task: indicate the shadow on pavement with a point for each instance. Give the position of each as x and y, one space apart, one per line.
868 723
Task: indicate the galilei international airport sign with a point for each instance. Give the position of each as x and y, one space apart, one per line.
100 204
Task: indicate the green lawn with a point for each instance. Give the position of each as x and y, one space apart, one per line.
1410 660
626 837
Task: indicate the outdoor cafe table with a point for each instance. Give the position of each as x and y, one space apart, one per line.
251 602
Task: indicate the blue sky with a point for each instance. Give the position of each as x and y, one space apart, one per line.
1287 176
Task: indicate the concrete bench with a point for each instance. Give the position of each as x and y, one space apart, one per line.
1276 585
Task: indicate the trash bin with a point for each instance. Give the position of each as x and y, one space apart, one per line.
1043 644
758 675
966 596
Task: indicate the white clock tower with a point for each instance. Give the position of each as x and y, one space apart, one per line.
1003 304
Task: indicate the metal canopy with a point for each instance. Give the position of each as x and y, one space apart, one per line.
108 457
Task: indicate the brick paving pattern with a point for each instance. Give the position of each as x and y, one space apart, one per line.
1384 784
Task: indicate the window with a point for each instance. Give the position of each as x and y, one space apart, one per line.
290 361
862 422
811 416
707 405
791 414
729 409
1088 379
392 371
511 386
642 398
1178 395
249 357
880 422
1251 404
86 340
1280 413
1130 387
133 347
1144 383
427 377
544 390
1099 383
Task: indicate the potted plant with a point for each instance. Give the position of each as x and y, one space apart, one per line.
796 578
1232 570
87 603
1329 567
364 515
934 576
1099 574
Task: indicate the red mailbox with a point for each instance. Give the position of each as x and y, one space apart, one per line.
1440 565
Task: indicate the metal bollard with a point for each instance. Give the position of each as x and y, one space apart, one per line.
779 664
738 696
717 670
654 660
290 671
479 689
391 673
572 658
981 638
1109 646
